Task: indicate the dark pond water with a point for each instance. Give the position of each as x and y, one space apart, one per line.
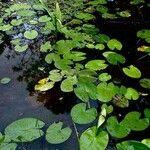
18 100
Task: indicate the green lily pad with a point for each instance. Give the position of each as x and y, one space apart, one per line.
132 72
146 142
55 134
91 139
132 121
145 83
116 129
16 22
21 48
104 77
5 80
131 145
114 44
45 47
25 130
132 94
96 65
25 13
109 109
44 18
85 16
32 34
81 115
106 91
147 113
6 27
8 146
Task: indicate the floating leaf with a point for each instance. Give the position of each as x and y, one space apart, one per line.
16 22
117 129
96 65
146 142
109 109
25 130
45 47
21 48
81 115
8 146
5 80
55 134
145 83
6 27
91 139
67 84
109 16
132 120
132 94
44 18
32 34
55 76
147 113
102 117
136 2
125 14
106 91
114 58
85 16
25 13
132 72
114 44
104 77
131 145
100 46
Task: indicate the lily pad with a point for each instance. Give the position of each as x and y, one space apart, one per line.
32 34
96 65
104 77
146 142
114 44
55 134
85 16
81 115
132 94
5 80
16 22
21 48
91 139
25 130
132 72
145 83
44 18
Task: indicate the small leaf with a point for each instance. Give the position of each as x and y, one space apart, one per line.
132 72
45 47
44 18
104 77
81 115
132 94
55 134
32 34
8 146
91 139
21 48
114 44
146 142
5 80
102 117
85 16
145 83
16 22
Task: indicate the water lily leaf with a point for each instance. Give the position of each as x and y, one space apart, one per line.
102 117
132 94
16 22
45 47
21 48
91 139
114 58
5 80
146 142
51 57
132 120
106 91
145 83
6 27
109 16
132 72
100 46
55 134
8 146
114 44
55 76
144 34
131 145
81 115
67 84
136 2
38 7
16 7
33 22
125 14
44 18
25 13
32 34
104 77
109 109
25 130
147 113
85 16
44 85
96 65
101 38
116 129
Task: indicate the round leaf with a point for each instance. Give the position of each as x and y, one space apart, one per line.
114 44
132 94
145 83
32 34
5 80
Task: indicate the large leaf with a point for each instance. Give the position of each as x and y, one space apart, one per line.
55 134
91 139
44 18
81 115
132 72
132 120
131 145
32 34
106 91
25 130
117 129
144 34
85 16
8 146
96 65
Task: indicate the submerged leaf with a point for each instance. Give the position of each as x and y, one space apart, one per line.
55 134
81 115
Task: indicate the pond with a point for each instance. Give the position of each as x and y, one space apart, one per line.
97 37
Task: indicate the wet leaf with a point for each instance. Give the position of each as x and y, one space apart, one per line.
114 44
25 130
85 16
125 14
8 146
25 13
55 76
5 80
55 134
81 115
109 109
32 34
6 27
132 71
91 139
147 113
102 117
